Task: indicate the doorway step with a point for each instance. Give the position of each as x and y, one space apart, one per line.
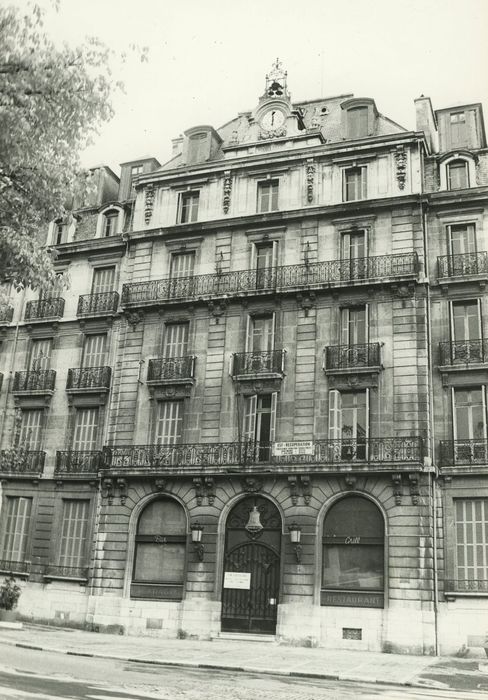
244 637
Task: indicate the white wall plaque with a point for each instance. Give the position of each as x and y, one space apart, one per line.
299 447
237 579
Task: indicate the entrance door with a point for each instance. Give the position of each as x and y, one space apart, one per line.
252 567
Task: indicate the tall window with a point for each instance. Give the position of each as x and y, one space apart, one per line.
260 333
41 350
16 528
457 175
110 223
354 252
462 239
265 262
348 424
354 184
60 231
188 210
458 129
31 429
175 343
134 172
169 422
268 196
469 424
103 279
471 541
182 265
260 423
357 122
160 548
74 527
353 546
86 429
353 325
94 350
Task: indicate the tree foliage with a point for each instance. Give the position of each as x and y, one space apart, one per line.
52 100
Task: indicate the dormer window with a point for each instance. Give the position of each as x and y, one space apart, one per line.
188 209
357 122
134 172
110 220
457 175
60 232
358 119
458 128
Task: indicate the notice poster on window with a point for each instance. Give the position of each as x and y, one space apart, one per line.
237 579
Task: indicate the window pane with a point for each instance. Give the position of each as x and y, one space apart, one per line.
17 524
353 567
175 340
73 533
159 563
162 517
354 517
94 350
41 353
169 422
103 280
86 429
268 196
189 207
31 429
182 265
457 175
471 529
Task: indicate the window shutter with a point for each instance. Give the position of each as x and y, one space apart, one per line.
86 429
17 525
483 399
367 323
249 427
367 414
274 260
94 350
454 413
364 182
272 426
346 246
73 533
103 280
335 418
249 333
345 326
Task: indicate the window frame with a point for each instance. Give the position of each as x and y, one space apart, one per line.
188 212
84 553
455 162
180 422
361 185
273 196
28 534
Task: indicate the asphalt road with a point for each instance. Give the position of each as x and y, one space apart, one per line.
37 675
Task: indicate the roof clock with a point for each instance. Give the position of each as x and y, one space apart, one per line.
274 105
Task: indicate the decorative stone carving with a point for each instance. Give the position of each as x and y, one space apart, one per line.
272 133
300 485
355 380
160 484
170 391
108 490
307 302
306 488
401 167
251 484
350 481
227 191
217 308
403 291
258 386
148 203
310 179
122 486
210 489
293 484
134 317
414 488
397 488
199 489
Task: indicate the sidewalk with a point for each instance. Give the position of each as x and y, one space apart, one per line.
261 657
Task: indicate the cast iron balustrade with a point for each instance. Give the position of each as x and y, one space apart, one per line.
464 452
168 368
463 352
324 452
352 356
6 314
74 463
44 308
16 460
10 566
258 362
35 380
94 304
463 265
56 571
289 277
89 378
461 585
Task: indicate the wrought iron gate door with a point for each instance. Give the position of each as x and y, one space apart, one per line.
252 610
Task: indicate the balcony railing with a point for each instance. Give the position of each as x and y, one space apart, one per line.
463 352
35 380
19 461
56 571
466 585
94 304
259 362
89 378
331 272
162 368
44 308
74 463
352 356
6 314
322 452
463 265
11 566
464 452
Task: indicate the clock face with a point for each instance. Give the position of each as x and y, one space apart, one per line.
272 119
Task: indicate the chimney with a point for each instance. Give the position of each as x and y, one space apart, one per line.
176 145
426 122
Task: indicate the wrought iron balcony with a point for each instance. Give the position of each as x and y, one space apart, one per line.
464 452
286 278
74 572
37 380
17 460
81 378
95 304
259 362
164 369
466 585
44 308
219 456
463 352
11 566
338 357
6 314
76 463
463 265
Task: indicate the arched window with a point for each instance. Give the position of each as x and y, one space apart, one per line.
457 175
110 223
160 550
353 553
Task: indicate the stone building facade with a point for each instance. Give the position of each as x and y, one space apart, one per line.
260 407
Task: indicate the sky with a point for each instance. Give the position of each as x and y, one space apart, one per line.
208 59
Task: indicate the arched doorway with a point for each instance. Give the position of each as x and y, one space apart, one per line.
251 582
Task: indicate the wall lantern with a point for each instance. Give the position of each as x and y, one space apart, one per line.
196 538
295 535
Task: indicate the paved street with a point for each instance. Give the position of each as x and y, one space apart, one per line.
26 674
